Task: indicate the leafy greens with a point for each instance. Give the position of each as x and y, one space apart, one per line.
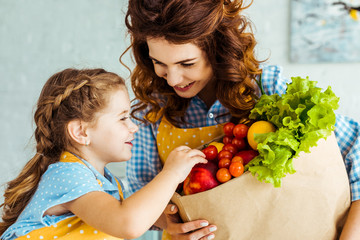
303 115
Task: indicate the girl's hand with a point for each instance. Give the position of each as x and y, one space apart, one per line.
181 160
199 229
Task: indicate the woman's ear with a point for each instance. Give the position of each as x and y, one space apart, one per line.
77 131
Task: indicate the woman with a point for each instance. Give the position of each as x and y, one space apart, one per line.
196 69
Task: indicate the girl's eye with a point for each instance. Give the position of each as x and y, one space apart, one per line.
124 118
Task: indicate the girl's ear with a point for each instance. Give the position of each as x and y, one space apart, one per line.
77 131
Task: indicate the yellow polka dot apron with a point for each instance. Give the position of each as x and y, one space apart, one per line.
73 227
170 137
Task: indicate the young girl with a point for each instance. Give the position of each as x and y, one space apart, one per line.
65 191
196 69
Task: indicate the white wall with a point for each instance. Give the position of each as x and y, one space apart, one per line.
38 38
272 21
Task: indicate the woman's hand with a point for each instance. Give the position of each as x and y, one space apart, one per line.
199 229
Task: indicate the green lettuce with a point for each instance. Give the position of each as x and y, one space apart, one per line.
302 116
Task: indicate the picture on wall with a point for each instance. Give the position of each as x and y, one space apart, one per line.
325 31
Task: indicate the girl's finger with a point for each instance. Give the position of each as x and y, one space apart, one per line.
195 152
183 148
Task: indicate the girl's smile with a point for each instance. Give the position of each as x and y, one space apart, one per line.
110 138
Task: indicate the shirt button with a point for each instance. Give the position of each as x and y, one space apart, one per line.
211 115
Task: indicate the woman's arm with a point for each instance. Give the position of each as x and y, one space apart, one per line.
347 133
351 228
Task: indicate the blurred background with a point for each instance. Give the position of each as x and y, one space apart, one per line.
39 38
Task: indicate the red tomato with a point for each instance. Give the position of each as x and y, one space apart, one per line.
227 139
223 175
210 152
224 163
231 148
239 143
247 155
240 130
228 129
225 154
236 169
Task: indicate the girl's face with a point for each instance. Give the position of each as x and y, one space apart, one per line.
111 136
185 67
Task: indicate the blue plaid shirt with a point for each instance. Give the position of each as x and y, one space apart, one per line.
145 163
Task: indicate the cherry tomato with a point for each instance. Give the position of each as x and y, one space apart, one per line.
223 175
227 139
224 163
231 148
228 129
239 143
247 155
237 159
210 152
236 169
225 154
240 130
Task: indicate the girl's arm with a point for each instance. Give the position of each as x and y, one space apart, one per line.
144 164
136 214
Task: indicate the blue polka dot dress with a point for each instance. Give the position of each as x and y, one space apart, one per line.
64 181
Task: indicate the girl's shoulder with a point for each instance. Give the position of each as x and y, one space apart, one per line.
66 181
62 182
67 170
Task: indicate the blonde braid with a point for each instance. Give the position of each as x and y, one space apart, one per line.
67 95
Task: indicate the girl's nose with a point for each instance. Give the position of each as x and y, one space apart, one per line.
133 127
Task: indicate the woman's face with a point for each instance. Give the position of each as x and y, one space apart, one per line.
185 67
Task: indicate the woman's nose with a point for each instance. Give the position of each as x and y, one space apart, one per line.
173 77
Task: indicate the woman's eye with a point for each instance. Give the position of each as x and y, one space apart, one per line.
187 64
157 62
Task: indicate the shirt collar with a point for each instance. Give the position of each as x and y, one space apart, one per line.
106 181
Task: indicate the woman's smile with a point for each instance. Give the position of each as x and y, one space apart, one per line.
184 88
185 67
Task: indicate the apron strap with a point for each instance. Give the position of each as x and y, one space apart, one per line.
72 158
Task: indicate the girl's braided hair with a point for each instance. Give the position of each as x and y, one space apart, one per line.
67 95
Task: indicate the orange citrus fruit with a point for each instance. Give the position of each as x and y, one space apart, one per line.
218 145
258 127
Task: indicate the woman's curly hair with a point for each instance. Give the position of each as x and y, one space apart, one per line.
217 28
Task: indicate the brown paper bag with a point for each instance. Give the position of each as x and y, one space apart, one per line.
311 203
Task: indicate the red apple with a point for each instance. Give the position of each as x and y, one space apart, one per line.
247 155
209 166
201 178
